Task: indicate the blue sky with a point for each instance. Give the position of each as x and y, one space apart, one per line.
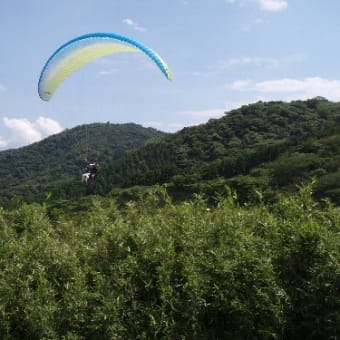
222 53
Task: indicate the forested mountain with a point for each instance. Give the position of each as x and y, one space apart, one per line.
258 150
247 258
60 158
263 146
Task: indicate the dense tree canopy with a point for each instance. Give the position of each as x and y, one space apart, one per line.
268 147
277 144
58 160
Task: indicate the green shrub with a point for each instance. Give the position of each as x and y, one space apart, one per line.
151 269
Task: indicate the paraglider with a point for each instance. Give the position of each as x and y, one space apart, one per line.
86 48
91 172
82 50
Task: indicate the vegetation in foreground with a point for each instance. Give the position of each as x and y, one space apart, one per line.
152 269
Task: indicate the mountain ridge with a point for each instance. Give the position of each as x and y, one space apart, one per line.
262 147
62 157
249 141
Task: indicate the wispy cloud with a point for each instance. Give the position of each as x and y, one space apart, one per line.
259 21
133 24
248 62
3 88
3 143
23 132
210 113
242 62
48 126
251 61
186 118
195 117
289 89
266 5
240 85
249 26
273 5
168 127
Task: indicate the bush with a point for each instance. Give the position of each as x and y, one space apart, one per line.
158 270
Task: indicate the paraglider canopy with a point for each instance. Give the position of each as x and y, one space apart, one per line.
86 48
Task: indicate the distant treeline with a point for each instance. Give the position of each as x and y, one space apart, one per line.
270 146
267 147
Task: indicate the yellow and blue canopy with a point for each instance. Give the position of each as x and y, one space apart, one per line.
82 50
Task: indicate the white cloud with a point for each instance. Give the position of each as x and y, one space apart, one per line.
176 126
259 21
211 113
23 132
251 61
248 62
185 119
266 5
205 74
261 62
240 85
289 89
134 25
193 117
169 127
249 26
3 88
3 143
273 5
48 126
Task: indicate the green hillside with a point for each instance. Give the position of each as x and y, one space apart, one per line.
228 245
31 170
260 149
263 146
